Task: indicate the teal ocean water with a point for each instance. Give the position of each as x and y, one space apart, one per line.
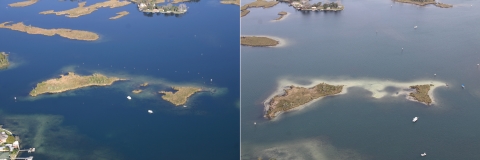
99 122
363 45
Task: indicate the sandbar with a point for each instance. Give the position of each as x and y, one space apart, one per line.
67 33
181 95
72 81
425 2
82 10
120 14
23 3
244 12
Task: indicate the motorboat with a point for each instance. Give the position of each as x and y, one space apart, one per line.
423 154
415 27
150 111
463 86
129 98
415 119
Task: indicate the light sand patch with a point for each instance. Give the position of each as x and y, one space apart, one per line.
23 3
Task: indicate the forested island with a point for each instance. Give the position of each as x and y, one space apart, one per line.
181 94
72 81
67 33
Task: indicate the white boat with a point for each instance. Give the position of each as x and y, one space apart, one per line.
415 27
129 98
184 106
415 119
150 111
423 154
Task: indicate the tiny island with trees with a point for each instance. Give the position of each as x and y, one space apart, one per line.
150 6
304 5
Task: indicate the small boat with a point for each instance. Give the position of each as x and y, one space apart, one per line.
423 154
463 86
129 98
415 27
150 111
415 119
184 106
254 123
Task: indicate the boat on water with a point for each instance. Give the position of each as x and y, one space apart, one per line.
415 27
415 119
150 111
423 154
129 98
463 86
184 106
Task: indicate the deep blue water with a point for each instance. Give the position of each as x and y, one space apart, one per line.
99 122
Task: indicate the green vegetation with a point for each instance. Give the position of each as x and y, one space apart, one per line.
331 5
421 93
72 81
181 95
10 139
4 60
297 96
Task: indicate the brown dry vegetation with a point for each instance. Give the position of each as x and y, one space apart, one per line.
67 33
82 10
120 14
235 2
72 81
421 93
181 95
282 14
258 41
298 96
257 4
137 91
23 3
3 60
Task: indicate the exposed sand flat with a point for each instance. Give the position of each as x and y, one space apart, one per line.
180 1
67 33
235 2
120 14
23 3
82 10
425 2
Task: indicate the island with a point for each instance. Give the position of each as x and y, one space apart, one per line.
23 3
282 14
67 33
4 60
82 10
306 6
297 96
151 7
421 93
71 81
425 2
257 4
120 14
9 145
235 2
137 91
258 41
181 95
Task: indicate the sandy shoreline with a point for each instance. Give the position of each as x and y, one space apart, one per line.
375 86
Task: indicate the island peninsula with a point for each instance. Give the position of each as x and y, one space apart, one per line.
82 10
258 41
23 3
425 2
297 96
67 33
72 81
181 95
120 14
4 60
257 4
421 94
